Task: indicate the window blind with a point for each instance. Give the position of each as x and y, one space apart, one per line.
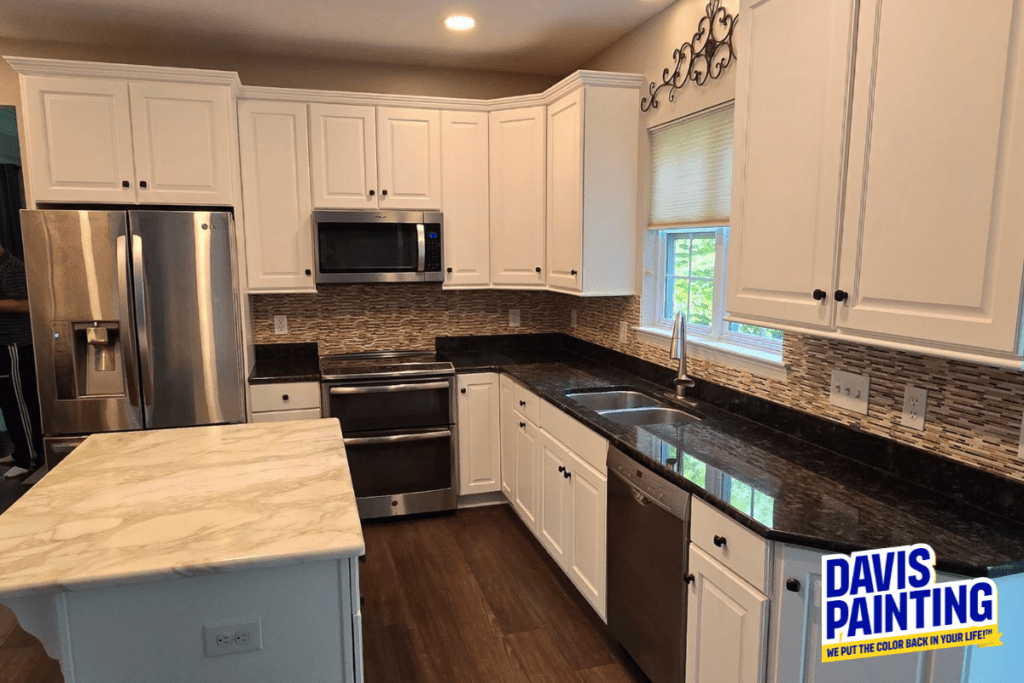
691 171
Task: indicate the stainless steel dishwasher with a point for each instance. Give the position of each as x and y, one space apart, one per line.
648 535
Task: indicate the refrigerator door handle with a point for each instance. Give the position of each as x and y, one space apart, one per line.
123 275
145 334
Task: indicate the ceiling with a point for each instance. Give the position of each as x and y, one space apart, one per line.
548 37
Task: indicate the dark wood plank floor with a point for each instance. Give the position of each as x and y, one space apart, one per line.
473 596
470 596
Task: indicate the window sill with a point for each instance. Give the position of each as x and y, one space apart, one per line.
762 363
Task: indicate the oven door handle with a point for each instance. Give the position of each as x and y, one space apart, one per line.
421 248
389 388
397 438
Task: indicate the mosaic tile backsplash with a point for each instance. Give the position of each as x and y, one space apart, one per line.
974 412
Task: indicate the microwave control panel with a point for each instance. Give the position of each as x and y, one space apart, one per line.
432 260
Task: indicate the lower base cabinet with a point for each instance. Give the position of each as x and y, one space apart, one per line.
479 436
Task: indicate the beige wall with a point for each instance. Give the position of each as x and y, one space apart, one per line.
288 71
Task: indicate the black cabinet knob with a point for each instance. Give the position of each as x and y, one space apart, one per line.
462 390
561 469
819 294
793 585
719 541
538 269
840 296
689 578
372 193
572 272
284 397
449 270
567 474
383 193
125 183
308 271
522 403
142 184
522 425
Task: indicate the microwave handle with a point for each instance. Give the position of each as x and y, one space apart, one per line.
421 243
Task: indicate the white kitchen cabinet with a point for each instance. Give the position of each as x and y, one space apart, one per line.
284 402
465 194
343 152
409 158
907 159
795 648
78 145
276 196
726 624
479 434
588 521
555 523
528 461
518 210
106 141
509 428
591 191
182 138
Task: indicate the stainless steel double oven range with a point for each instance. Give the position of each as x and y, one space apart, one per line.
397 411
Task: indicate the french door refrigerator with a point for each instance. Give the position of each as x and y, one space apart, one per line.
135 321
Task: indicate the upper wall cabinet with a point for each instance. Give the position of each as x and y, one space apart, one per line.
274 145
375 158
464 194
517 197
591 191
880 206
117 141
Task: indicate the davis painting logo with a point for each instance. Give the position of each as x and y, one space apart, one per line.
884 602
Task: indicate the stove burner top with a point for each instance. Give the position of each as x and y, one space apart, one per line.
383 363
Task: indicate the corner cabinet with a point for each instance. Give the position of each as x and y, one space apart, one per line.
375 158
117 141
517 197
274 146
591 191
479 434
881 175
465 199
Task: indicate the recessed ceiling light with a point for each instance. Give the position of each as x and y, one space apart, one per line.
457 22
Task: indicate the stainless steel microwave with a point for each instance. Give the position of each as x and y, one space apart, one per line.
378 246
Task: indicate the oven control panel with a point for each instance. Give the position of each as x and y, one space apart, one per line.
648 484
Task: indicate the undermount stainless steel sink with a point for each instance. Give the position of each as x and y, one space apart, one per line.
649 416
613 400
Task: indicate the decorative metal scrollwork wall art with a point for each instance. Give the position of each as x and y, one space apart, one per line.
707 55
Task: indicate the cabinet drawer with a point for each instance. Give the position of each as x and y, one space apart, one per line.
287 415
586 444
742 551
526 403
294 396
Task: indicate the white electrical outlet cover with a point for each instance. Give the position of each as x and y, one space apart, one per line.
574 317
623 331
513 317
232 637
280 324
915 407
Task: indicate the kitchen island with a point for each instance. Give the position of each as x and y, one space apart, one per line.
149 555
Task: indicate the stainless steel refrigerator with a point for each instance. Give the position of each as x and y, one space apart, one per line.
135 321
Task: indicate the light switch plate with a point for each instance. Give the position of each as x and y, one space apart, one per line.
513 317
850 391
915 406
280 324
232 638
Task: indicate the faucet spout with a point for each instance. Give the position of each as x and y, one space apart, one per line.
677 351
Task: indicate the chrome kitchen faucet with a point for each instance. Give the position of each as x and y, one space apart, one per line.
677 351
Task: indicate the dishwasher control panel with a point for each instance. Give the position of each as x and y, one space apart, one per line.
647 483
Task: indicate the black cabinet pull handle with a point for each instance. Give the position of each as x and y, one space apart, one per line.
793 585
572 272
689 578
384 193
567 474
522 425
308 271
840 296
142 184
522 403
125 183
538 269
285 397
449 270
372 193
561 469
462 390
719 541
819 294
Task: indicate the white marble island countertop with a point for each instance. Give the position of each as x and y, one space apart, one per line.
155 505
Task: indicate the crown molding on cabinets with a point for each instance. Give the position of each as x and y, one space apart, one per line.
35 66
563 87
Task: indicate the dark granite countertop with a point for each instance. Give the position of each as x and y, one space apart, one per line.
280 363
782 487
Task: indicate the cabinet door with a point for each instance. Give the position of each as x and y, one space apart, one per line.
182 137
343 150
479 439
409 157
789 157
509 430
527 500
78 144
726 624
565 192
517 196
464 192
796 637
589 516
933 247
555 521
274 145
